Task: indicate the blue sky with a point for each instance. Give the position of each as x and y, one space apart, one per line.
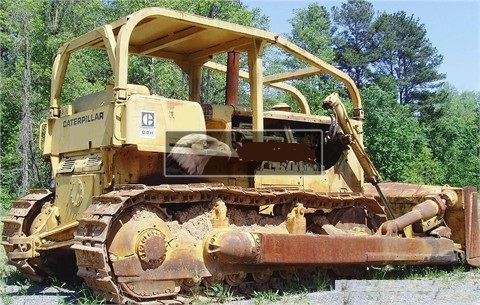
453 27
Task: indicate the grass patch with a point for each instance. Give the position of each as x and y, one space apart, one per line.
5 298
301 283
265 297
321 282
406 272
84 296
219 293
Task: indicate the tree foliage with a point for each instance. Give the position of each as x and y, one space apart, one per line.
455 137
352 36
374 48
311 31
402 50
390 56
395 139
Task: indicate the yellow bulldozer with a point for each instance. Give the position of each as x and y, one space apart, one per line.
153 196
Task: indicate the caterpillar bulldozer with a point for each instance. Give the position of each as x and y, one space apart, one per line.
153 195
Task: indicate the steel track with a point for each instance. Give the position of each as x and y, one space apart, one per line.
92 233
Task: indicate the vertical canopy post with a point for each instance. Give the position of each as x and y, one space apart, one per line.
255 68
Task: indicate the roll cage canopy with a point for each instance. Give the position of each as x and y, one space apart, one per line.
191 41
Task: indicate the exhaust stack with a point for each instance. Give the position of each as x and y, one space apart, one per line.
233 68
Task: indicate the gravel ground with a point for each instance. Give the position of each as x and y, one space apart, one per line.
453 289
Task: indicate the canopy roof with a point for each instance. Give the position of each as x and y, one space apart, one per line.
189 40
165 33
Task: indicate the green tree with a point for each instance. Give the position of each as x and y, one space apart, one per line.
9 107
311 31
455 137
403 51
352 38
424 168
394 138
20 96
30 34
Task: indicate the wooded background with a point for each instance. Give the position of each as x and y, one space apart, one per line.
417 128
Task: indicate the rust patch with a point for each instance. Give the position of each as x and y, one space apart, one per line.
472 230
371 250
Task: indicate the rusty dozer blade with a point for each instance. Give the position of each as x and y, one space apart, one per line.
472 226
459 211
238 247
385 247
